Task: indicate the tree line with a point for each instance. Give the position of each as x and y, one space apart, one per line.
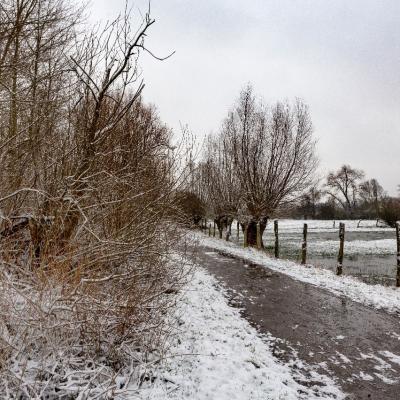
258 164
346 194
262 164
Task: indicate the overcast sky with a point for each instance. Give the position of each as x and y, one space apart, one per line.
342 57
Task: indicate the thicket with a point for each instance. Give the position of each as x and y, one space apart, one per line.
88 177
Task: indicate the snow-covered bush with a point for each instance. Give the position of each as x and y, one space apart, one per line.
87 337
88 177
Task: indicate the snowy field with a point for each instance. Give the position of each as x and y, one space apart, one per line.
323 236
296 225
361 237
369 251
377 296
216 354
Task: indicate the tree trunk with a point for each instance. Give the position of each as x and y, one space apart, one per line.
252 232
220 226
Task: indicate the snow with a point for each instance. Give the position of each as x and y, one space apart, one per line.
218 355
391 356
386 373
385 379
365 377
377 296
291 231
331 247
344 359
296 225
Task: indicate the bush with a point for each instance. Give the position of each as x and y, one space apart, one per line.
85 270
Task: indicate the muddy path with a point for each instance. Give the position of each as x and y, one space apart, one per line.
357 345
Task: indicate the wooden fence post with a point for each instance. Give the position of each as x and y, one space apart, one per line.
245 236
237 229
304 245
258 236
339 268
209 230
276 238
398 254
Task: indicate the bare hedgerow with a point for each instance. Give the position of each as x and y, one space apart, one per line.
87 206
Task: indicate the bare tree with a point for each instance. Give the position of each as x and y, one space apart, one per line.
343 186
34 89
371 194
273 154
220 179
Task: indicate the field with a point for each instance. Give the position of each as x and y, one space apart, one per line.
369 252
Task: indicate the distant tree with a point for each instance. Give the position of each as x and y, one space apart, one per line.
390 211
327 209
309 202
273 153
371 194
343 186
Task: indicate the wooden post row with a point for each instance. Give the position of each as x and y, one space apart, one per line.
339 268
304 245
276 239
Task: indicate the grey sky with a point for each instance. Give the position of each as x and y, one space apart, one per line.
342 57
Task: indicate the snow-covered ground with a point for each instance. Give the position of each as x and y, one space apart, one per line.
365 247
361 237
378 296
216 354
315 225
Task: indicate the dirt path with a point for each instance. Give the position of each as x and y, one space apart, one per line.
360 346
